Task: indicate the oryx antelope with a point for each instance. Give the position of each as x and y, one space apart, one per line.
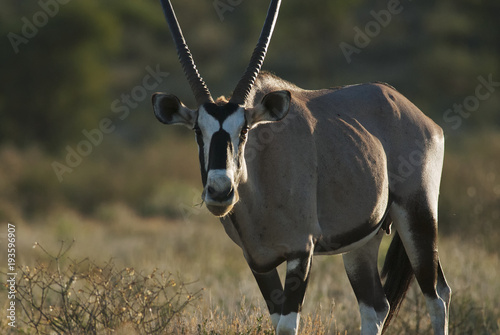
325 181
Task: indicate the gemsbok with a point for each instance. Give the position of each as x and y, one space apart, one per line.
330 178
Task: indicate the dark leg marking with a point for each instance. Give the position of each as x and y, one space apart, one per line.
362 271
297 276
271 289
417 226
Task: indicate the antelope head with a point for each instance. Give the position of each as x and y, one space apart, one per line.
221 128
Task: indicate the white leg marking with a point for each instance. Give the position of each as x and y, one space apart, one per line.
289 324
292 265
295 263
275 319
444 292
371 321
438 313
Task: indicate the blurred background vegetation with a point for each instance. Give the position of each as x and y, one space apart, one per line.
77 64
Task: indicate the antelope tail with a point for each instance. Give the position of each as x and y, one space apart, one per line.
398 275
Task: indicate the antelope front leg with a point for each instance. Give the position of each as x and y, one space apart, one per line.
272 291
297 275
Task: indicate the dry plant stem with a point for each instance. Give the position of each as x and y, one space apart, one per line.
84 298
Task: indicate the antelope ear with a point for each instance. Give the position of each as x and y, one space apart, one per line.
170 110
273 107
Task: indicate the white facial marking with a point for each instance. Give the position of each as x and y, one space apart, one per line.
217 173
371 321
220 179
233 124
207 122
289 324
208 125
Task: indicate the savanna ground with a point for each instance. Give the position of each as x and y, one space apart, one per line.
208 288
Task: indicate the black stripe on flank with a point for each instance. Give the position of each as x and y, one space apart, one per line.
333 243
219 147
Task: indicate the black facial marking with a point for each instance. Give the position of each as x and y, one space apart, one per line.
221 140
201 154
241 143
219 145
220 113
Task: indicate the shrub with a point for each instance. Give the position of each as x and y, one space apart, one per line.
85 298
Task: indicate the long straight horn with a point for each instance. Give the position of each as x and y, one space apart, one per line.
246 82
198 86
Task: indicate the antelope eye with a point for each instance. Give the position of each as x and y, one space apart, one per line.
244 131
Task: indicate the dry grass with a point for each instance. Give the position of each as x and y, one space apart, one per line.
66 296
198 251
